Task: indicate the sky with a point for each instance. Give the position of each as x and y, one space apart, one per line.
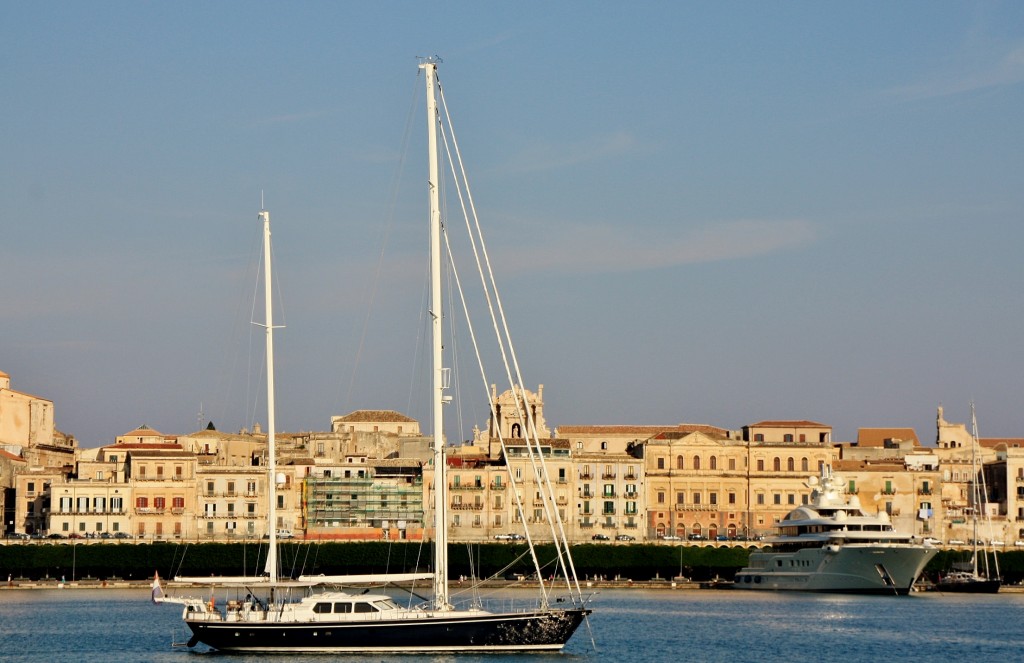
713 213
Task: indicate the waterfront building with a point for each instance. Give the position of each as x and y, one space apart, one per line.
962 460
1004 478
163 480
363 498
95 501
32 490
697 485
27 429
890 471
783 455
11 465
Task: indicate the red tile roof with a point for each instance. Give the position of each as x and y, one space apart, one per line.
366 416
876 437
788 424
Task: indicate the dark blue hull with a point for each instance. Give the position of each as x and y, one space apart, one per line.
452 632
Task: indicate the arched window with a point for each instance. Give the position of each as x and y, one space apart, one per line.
804 465
696 462
604 446
777 465
713 462
679 463
790 465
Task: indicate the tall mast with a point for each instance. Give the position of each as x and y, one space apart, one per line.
429 67
271 450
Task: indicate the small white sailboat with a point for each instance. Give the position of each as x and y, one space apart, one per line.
978 576
343 622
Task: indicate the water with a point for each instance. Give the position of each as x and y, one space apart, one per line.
628 625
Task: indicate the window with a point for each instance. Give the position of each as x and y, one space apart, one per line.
696 462
792 498
760 464
680 498
661 497
680 465
788 437
713 462
804 465
141 502
178 503
661 466
604 446
159 503
777 498
732 498
760 498
696 498
713 498
758 437
732 463
790 466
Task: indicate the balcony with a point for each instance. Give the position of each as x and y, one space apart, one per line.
608 475
608 512
924 491
586 476
889 491
464 486
468 507
696 507
631 494
499 486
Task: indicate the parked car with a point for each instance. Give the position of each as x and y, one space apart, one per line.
122 535
624 537
56 535
696 537
670 537
956 542
502 537
600 537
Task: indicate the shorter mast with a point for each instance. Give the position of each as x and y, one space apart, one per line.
271 567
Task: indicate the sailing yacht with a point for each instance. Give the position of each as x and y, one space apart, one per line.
978 577
322 618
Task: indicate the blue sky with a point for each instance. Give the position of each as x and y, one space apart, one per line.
704 212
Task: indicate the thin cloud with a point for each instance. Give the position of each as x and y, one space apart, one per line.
290 118
609 249
551 157
1006 69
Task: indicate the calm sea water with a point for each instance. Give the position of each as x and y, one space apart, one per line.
627 625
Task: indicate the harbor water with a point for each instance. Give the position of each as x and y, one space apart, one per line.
627 625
